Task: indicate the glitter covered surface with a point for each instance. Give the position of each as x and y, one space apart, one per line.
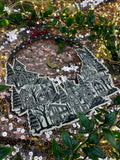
14 129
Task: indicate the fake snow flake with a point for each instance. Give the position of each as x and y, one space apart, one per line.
10 116
12 35
22 130
4 134
3 119
71 68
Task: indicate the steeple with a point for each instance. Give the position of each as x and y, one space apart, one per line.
9 74
63 95
89 59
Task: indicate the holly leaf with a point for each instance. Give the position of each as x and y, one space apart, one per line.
90 18
97 151
92 124
93 138
2 4
98 117
84 121
3 87
115 154
118 145
117 100
15 17
3 23
69 21
56 150
109 135
4 151
74 141
110 118
79 18
66 139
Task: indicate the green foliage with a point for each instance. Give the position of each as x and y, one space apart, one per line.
117 100
3 87
80 18
93 138
56 150
69 21
89 146
109 135
4 151
66 139
15 17
84 121
90 18
48 12
97 151
110 118
4 23
2 4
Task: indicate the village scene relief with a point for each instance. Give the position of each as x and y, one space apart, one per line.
49 105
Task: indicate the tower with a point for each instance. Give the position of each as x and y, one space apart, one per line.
10 75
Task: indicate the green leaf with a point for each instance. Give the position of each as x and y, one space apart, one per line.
97 151
3 23
90 18
69 21
103 111
65 12
15 17
66 139
110 118
102 20
56 150
50 9
63 29
117 100
92 124
83 132
93 138
66 157
109 135
75 156
118 124
115 154
33 16
67 152
88 152
3 87
92 36
117 134
98 117
4 151
54 22
118 145
84 121
74 141
2 3
79 18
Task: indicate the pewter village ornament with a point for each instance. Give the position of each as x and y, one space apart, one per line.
50 106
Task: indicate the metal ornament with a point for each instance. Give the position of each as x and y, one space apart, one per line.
50 106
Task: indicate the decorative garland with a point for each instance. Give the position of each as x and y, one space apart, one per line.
50 106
